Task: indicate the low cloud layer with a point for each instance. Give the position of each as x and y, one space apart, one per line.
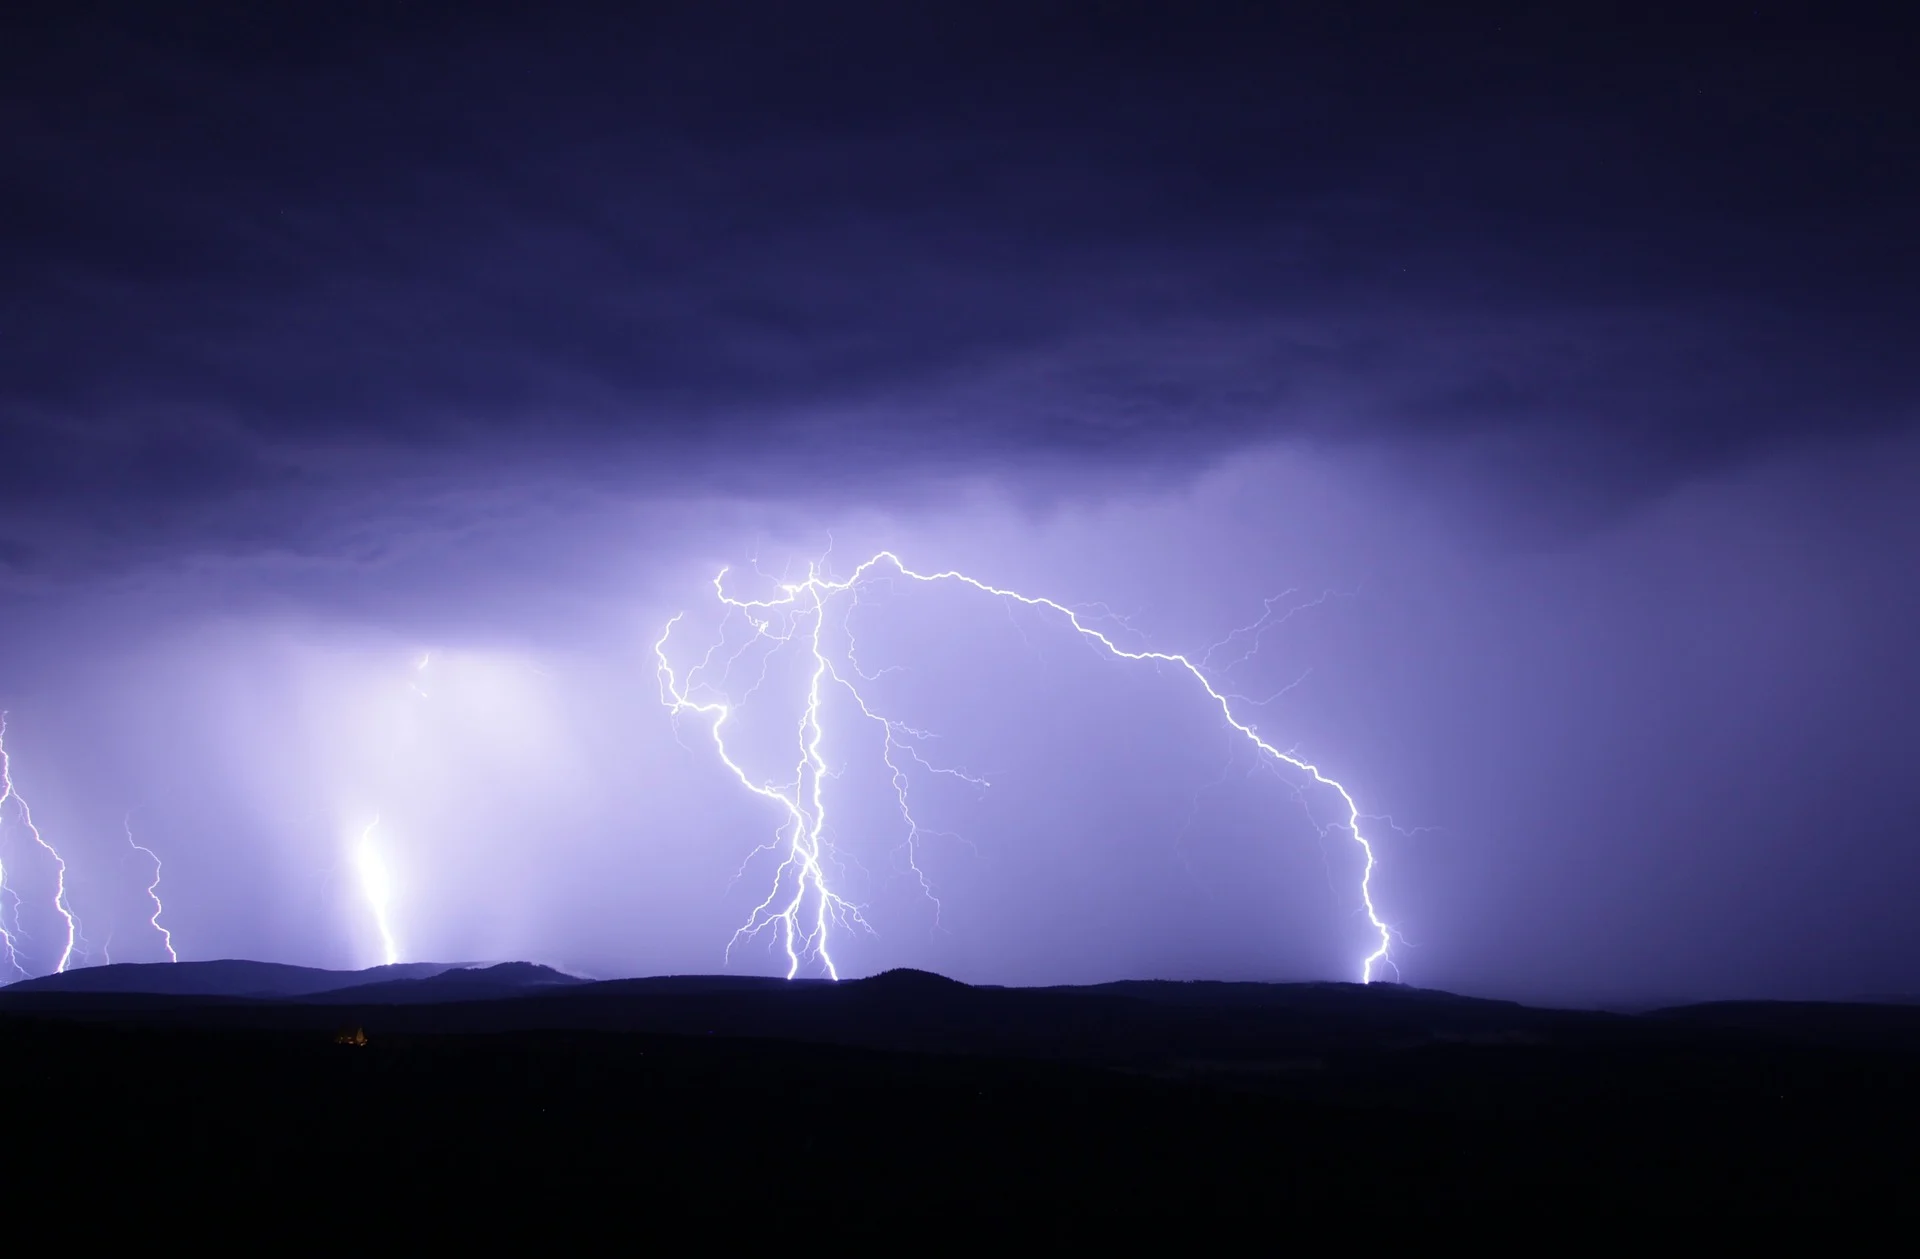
267 274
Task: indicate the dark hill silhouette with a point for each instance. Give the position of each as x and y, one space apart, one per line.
1882 1024
1152 1025
461 983
230 977
1145 1025
907 979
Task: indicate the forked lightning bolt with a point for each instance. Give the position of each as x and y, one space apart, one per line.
25 814
803 906
803 801
153 892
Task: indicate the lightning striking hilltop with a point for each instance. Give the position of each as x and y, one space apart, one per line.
7 937
153 892
803 906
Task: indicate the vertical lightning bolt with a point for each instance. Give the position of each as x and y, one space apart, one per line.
9 793
802 903
375 883
153 891
378 890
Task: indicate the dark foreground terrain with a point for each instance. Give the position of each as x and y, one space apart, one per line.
512 1097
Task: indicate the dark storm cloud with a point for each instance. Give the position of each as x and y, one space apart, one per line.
261 262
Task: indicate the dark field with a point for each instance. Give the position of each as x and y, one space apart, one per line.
752 1106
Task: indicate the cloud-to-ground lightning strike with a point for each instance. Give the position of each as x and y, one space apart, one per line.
375 883
153 892
803 904
377 889
25 814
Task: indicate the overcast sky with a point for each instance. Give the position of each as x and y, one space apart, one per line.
1560 364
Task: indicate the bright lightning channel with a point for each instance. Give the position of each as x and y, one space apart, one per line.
7 942
802 906
153 892
377 888
375 883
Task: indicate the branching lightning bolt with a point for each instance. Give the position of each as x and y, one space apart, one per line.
802 904
8 792
805 822
153 892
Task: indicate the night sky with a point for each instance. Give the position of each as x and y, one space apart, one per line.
1559 359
